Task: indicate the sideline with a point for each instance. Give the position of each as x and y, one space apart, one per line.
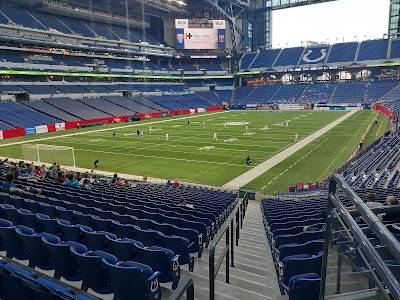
109 129
260 169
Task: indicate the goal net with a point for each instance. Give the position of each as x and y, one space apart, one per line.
62 155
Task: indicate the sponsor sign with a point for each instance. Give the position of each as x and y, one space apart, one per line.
41 129
30 130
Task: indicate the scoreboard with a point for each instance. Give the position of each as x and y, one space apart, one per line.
200 33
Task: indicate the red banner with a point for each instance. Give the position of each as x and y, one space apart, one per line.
384 110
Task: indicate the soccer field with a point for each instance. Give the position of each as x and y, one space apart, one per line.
191 154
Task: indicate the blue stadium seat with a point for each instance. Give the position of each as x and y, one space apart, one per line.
130 278
304 287
94 275
65 264
296 265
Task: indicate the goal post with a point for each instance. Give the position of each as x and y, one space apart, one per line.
62 155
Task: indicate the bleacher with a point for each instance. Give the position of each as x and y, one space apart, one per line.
129 104
73 232
107 107
15 115
76 108
378 89
294 251
289 56
339 53
373 50
349 93
288 93
265 58
50 110
315 93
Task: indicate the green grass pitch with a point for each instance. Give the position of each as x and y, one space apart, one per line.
192 155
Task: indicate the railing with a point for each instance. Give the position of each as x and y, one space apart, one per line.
376 266
233 225
185 286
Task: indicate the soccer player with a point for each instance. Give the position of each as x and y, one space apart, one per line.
282 124
150 129
142 133
275 113
215 137
96 164
166 137
287 124
247 127
138 133
204 123
114 137
188 122
225 125
296 136
248 160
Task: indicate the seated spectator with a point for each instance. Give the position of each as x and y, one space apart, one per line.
60 178
175 183
119 181
22 175
22 164
371 202
86 184
44 170
114 179
36 172
182 202
11 187
169 183
391 216
71 181
53 166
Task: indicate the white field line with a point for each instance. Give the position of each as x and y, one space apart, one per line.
107 129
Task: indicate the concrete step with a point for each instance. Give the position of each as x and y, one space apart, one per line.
229 290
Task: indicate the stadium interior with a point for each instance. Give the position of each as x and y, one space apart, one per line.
72 232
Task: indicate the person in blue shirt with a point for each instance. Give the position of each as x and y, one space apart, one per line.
9 185
71 181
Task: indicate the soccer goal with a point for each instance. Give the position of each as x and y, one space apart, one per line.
62 155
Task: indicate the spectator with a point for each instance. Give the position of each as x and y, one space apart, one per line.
175 183
53 166
36 172
44 170
22 164
10 185
169 183
391 216
86 184
182 202
119 181
71 181
114 179
60 178
371 202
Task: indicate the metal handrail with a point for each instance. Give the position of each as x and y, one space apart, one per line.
372 221
187 286
237 214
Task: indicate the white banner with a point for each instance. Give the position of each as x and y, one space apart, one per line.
200 110
41 129
291 106
1 135
60 126
192 111
181 23
201 38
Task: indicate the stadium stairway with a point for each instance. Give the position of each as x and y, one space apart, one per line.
252 278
